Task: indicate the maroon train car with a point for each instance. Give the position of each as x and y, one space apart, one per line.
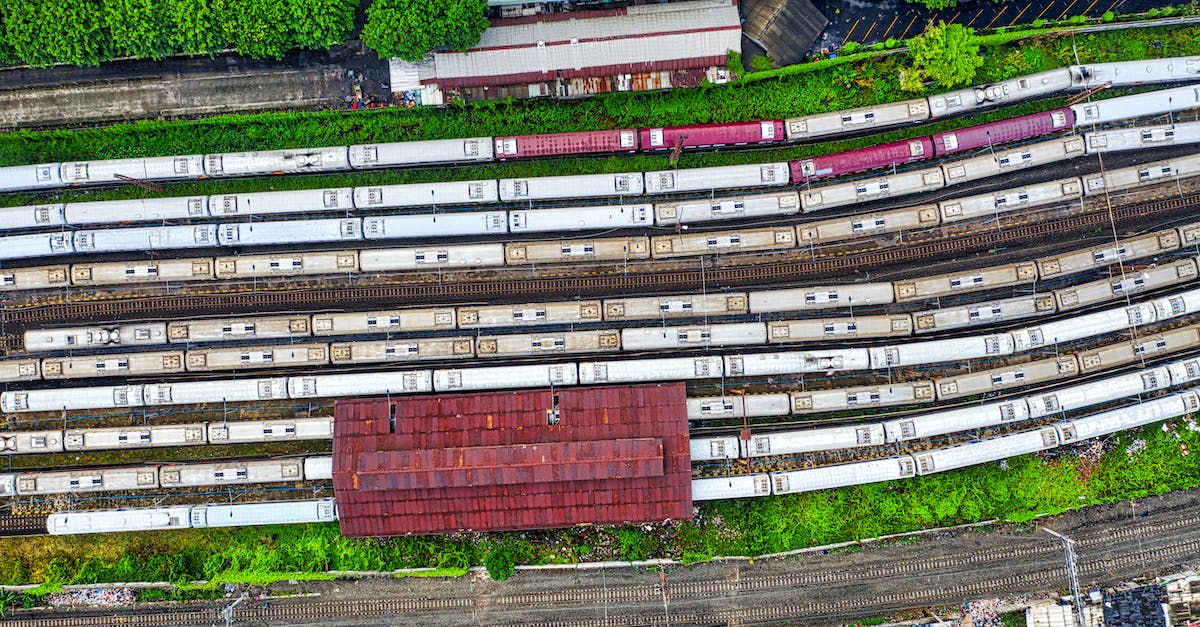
711 135
870 158
1012 129
563 144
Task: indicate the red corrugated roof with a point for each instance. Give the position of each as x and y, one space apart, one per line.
473 462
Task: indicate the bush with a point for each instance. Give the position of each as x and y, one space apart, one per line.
1108 16
410 29
499 563
761 63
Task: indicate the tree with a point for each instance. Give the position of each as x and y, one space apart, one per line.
944 53
410 29
935 4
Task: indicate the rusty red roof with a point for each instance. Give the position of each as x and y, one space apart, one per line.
510 460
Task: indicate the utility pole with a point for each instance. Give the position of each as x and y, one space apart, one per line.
1072 574
227 613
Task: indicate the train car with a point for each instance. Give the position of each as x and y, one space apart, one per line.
796 362
415 349
663 369
1006 91
581 218
1143 137
578 186
711 135
679 306
428 152
396 320
8 484
1093 393
318 467
230 473
852 120
291 161
229 329
133 437
136 334
39 278
285 202
103 171
727 208
565 144
36 442
250 357
983 451
150 271
731 487
217 391
1079 327
435 225
36 245
813 440
720 177
563 312
431 257
548 343
723 242
739 406
1135 281
92 480
267 513
31 217
1184 371
993 204
874 188
850 227
861 159
19 370
500 377
145 238
1133 177
862 397
118 520
713 449
247 431
577 250
1007 377
976 416
998 162
839 475
1144 347
1135 106
1140 72
968 281
426 194
823 297
359 384
136 210
109 365
978 314
310 263
30 177
1100 256
941 351
290 232
1143 413
1003 131
655 338
821 330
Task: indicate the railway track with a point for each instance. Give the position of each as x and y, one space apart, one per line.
22 525
707 279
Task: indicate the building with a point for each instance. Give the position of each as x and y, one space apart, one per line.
512 460
578 53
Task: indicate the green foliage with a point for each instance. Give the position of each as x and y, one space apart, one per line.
761 63
499 563
935 4
410 29
944 53
1108 16
44 32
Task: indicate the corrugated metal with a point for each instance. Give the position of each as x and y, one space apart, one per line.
703 135
1003 131
869 158
494 461
553 144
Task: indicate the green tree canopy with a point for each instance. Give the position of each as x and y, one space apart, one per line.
943 53
410 29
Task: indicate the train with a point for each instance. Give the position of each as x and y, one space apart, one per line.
757 364
598 249
475 150
170 435
936 460
192 516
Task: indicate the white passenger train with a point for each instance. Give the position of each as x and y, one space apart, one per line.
192 516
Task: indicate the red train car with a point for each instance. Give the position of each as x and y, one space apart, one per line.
712 135
564 144
1012 129
870 158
